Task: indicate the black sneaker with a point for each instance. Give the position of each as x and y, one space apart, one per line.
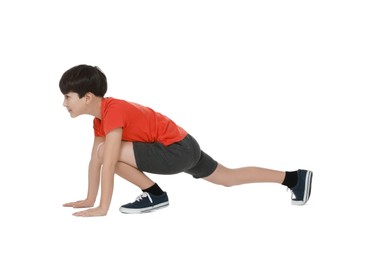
145 203
301 192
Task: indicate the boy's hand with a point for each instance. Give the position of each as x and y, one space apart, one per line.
94 212
79 204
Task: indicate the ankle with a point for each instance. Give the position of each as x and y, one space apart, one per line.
290 179
154 190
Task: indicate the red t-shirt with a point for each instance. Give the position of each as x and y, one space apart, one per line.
139 123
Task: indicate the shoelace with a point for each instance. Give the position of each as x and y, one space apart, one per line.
293 196
144 195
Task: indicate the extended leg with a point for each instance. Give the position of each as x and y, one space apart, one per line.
230 177
300 185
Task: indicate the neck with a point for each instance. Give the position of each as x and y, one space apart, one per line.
95 107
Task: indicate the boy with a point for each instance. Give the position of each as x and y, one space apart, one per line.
131 139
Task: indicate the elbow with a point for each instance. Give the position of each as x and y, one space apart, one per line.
109 166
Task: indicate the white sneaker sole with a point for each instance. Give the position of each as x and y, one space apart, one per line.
143 210
308 180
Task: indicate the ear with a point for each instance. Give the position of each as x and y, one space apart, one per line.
88 97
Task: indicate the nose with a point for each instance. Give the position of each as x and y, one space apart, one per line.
64 103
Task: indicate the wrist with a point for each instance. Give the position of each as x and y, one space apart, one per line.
90 200
103 208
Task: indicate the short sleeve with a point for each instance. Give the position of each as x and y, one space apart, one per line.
113 118
97 126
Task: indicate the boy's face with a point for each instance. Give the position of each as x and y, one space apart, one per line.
75 106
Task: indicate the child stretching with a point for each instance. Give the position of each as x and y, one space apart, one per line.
131 139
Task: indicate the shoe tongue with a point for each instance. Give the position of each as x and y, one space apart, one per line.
140 197
144 195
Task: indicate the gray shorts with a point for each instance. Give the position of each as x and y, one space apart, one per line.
183 156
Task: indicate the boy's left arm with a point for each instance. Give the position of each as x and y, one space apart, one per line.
110 158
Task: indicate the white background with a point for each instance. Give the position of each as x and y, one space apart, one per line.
276 84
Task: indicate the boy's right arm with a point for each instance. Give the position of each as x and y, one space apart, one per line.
93 179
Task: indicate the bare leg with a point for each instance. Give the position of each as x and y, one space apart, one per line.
230 177
133 175
127 166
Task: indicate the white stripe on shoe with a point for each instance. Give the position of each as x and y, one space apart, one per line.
307 190
143 210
